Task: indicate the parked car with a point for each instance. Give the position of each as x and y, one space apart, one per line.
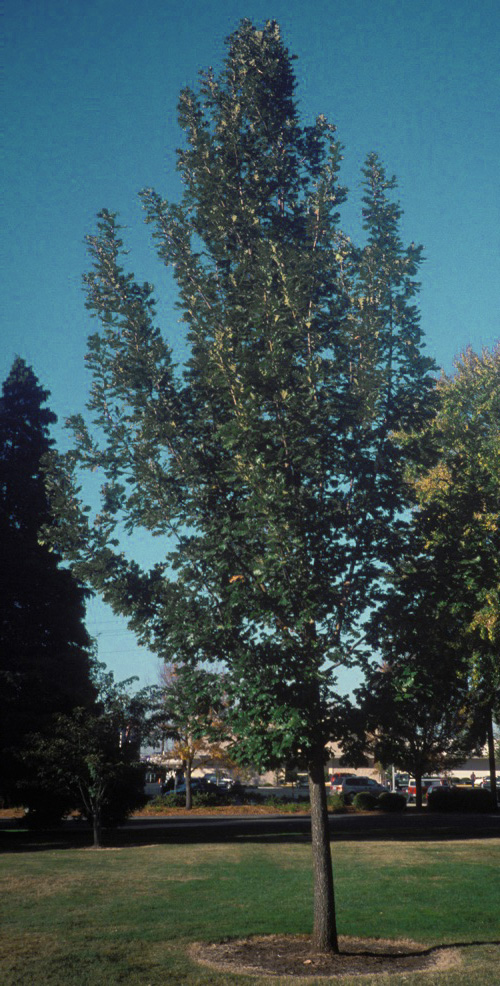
486 785
225 783
198 784
401 782
486 782
356 784
443 782
426 782
337 779
302 780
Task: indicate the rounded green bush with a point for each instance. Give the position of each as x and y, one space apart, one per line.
391 801
365 801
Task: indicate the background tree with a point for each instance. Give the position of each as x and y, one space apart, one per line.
90 758
419 720
269 463
191 716
457 523
45 651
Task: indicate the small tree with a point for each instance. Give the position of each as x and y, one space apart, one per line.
191 710
419 719
91 757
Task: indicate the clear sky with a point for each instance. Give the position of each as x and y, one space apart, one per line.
90 94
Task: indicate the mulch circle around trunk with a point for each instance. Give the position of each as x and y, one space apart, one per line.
292 955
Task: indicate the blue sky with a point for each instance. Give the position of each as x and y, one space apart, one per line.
90 96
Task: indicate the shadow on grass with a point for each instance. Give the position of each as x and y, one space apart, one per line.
417 953
273 829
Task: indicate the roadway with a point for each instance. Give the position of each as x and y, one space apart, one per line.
406 825
409 825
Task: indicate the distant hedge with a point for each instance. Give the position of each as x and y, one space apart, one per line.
461 799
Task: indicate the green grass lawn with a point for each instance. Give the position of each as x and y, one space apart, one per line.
77 917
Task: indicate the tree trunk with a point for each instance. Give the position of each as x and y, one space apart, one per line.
189 797
418 790
96 826
325 928
491 756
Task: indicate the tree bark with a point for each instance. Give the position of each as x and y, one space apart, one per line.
189 797
324 937
418 790
97 830
491 757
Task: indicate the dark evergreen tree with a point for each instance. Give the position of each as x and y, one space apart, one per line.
44 646
270 466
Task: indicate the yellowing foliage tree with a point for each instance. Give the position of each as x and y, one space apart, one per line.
191 717
458 517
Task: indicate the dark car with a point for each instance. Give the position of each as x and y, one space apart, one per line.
436 785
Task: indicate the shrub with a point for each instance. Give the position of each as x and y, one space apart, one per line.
302 805
286 805
337 804
273 801
235 794
365 801
391 801
207 799
170 800
124 795
253 798
204 799
461 799
45 808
